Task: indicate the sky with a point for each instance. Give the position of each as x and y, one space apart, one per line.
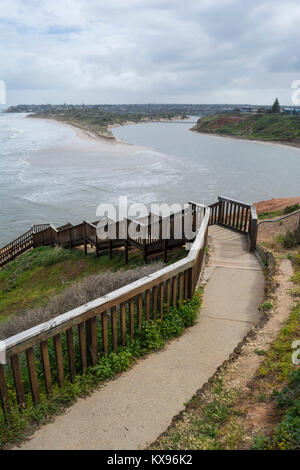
149 51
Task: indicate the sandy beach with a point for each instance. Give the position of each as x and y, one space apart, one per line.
86 134
293 145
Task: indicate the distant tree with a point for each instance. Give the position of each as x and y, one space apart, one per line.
276 106
294 111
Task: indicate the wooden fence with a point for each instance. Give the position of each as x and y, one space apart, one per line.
98 327
237 216
20 244
280 226
147 234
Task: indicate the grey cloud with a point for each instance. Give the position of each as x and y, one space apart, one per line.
150 50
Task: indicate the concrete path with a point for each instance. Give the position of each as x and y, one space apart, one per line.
131 411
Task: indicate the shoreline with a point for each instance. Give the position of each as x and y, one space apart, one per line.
294 145
85 134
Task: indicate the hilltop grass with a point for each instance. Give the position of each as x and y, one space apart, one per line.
153 336
33 278
279 212
270 214
265 127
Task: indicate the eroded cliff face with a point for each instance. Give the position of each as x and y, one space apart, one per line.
215 123
275 204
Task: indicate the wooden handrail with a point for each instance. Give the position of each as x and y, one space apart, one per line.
278 219
167 287
234 201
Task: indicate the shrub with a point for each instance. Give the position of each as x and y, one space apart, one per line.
290 209
286 435
266 306
152 336
79 293
289 240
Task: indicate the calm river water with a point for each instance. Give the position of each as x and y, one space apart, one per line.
50 174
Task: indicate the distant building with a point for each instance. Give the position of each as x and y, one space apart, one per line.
290 110
227 110
246 109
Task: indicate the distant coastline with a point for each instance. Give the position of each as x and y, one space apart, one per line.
252 128
104 133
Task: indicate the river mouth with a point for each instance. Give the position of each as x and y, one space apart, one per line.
49 174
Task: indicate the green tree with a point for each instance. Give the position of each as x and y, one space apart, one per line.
276 106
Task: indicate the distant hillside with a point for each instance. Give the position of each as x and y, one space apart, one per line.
267 127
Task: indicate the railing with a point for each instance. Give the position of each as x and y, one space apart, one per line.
103 324
269 228
146 233
20 244
235 215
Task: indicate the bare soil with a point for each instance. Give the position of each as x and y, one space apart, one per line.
275 204
241 374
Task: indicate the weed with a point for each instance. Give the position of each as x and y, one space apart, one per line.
260 352
152 336
266 306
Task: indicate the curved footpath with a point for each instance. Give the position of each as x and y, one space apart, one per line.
133 410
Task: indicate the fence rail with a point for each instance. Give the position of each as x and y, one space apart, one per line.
23 243
106 323
98 327
236 215
289 223
147 234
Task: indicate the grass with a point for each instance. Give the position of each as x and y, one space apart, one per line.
286 435
210 426
278 365
153 336
35 277
266 127
216 418
278 370
270 214
279 212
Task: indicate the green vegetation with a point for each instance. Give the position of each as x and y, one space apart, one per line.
270 214
35 277
152 337
210 426
290 209
267 127
279 369
266 306
286 435
278 365
276 106
217 418
289 240
278 213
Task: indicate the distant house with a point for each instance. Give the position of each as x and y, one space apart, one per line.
287 110
227 110
246 109
290 110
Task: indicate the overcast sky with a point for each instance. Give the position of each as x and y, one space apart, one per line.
137 51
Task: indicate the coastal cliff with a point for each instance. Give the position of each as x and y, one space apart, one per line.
268 127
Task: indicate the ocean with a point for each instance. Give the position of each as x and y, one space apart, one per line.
49 174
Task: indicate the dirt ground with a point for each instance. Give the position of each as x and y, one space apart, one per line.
241 374
275 204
